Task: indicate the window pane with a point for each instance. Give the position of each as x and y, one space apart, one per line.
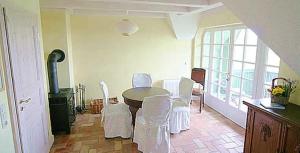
218 37
223 80
238 53
216 64
272 58
206 38
222 94
267 94
217 50
225 53
226 37
235 84
239 36
244 107
271 73
206 50
207 76
251 37
250 54
247 88
236 69
234 99
215 77
248 71
224 66
214 90
205 62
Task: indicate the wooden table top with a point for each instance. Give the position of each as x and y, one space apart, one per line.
138 94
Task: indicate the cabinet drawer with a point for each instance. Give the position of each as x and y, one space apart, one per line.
266 134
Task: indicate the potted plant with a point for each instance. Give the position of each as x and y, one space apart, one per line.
280 93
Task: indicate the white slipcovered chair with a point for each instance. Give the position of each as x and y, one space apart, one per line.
180 114
151 131
141 80
116 118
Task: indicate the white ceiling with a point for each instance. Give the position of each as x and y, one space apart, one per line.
151 8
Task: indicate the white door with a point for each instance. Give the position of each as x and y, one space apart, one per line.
25 59
229 55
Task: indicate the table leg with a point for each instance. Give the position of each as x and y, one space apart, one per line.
133 111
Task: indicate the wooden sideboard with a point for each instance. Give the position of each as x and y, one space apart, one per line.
272 130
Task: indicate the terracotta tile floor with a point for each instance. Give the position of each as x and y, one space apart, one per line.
210 133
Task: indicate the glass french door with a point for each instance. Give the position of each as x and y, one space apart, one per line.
242 67
229 55
220 64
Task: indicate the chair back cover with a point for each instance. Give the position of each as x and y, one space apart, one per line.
104 90
156 109
185 89
172 85
141 80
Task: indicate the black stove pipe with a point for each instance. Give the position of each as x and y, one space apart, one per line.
56 55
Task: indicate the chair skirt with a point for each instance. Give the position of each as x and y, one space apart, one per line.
118 123
151 139
179 119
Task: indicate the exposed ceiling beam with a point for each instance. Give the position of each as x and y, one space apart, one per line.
117 13
187 3
113 6
209 7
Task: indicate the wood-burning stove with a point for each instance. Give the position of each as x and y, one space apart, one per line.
61 101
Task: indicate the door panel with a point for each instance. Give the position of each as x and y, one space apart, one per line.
265 133
292 144
25 59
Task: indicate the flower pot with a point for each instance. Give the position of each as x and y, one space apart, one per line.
280 100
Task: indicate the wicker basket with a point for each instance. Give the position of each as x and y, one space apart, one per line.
283 100
96 105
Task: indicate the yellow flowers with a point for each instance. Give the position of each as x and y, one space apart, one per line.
277 91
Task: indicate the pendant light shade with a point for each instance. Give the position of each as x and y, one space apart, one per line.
127 27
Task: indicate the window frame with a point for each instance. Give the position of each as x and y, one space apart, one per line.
260 61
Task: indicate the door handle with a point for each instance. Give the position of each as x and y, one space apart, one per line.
25 101
227 77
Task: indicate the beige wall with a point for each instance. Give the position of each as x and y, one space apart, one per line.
100 52
287 72
56 35
223 16
217 17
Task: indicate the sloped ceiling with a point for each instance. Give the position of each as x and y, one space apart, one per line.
276 22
